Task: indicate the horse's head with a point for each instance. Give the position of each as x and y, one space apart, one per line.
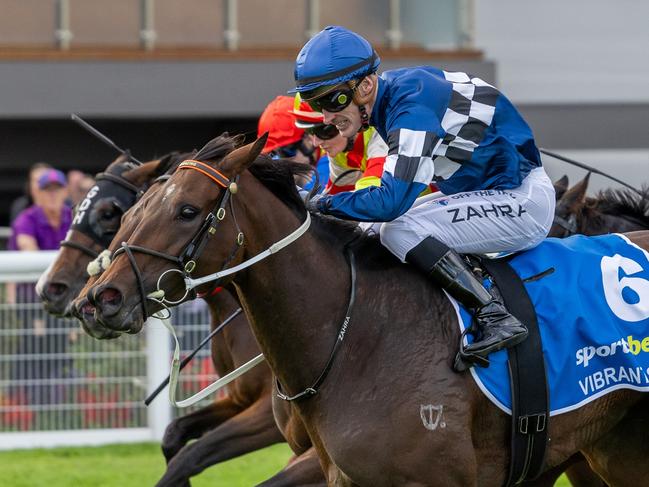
609 211
81 307
96 220
171 232
569 206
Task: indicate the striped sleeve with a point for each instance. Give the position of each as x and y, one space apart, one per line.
410 155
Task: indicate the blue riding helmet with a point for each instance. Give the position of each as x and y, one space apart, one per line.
333 56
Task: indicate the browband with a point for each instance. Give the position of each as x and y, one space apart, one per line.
207 170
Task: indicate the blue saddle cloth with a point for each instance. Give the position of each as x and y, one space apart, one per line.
593 314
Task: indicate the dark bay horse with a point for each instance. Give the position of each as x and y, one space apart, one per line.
399 346
612 210
96 220
239 423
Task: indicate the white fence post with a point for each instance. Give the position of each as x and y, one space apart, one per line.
158 368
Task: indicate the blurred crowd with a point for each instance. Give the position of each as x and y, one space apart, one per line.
40 219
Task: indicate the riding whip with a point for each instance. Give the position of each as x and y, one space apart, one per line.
588 168
103 138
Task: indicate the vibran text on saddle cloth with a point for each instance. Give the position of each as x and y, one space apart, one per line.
593 314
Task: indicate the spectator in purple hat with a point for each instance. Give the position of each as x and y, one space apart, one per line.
30 196
43 225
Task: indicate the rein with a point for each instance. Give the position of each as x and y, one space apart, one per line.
192 251
588 168
313 390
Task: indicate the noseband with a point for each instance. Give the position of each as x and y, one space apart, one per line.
186 261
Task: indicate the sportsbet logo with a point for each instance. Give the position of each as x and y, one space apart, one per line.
628 345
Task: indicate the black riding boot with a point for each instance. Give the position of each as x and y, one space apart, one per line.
497 328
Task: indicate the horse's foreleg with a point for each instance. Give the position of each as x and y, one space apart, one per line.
194 425
577 470
250 430
305 471
620 456
581 475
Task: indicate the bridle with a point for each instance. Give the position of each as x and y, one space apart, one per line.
186 260
569 224
122 190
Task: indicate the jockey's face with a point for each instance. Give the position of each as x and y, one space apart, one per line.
332 147
347 121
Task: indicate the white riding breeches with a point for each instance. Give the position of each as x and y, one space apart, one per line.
477 222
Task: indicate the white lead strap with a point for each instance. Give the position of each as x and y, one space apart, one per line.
277 246
213 387
193 283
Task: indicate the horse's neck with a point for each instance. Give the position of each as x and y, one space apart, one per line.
295 302
596 222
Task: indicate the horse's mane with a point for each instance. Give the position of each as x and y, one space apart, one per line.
623 202
278 175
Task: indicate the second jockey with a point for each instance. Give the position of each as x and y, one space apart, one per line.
354 162
449 128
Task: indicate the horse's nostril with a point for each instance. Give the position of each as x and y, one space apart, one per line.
55 290
110 297
87 309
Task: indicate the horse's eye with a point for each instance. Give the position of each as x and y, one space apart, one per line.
109 215
188 213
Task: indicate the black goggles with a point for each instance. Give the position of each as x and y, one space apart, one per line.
334 101
322 131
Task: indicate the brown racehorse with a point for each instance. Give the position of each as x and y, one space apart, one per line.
247 392
365 419
63 281
239 423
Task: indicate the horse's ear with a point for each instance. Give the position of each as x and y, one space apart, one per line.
575 195
561 186
141 174
239 159
165 162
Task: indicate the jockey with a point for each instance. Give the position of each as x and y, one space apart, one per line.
354 162
447 127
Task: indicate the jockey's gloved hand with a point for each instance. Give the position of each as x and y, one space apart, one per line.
316 204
